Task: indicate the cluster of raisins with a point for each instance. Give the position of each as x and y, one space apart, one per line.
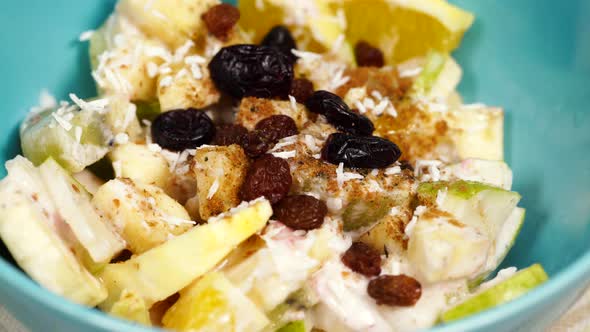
398 290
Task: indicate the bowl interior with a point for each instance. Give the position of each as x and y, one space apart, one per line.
521 56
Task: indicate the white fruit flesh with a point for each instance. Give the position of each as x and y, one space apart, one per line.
172 21
30 227
73 203
141 164
189 255
212 304
143 214
494 173
441 248
284 263
88 180
506 238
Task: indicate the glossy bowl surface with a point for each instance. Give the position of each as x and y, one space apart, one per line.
531 57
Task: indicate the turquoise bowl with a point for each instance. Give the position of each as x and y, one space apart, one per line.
530 57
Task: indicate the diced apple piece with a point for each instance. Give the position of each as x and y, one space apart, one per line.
32 231
439 77
164 270
212 303
253 109
219 171
172 21
481 206
442 248
512 288
141 164
74 206
74 138
284 264
388 235
143 214
131 307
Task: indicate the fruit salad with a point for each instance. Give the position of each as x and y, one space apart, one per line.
272 166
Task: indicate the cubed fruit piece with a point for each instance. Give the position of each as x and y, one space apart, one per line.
164 270
388 234
187 86
504 243
439 77
484 207
442 248
284 263
122 118
492 172
120 55
38 239
143 214
74 138
141 164
73 204
220 171
172 21
477 132
212 303
131 307
514 287
253 109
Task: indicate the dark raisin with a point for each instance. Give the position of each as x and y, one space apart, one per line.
301 212
220 19
182 129
360 151
275 127
368 55
251 70
229 134
301 89
123 256
268 176
280 38
255 145
362 258
399 290
338 114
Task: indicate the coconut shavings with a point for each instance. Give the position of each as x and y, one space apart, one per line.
118 168
285 154
86 35
428 170
342 176
393 170
213 189
61 121
410 226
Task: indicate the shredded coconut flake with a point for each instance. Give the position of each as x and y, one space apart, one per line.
293 102
342 176
86 35
285 154
172 220
306 56
360 106
410 226
441 196
410 72
78 133
393 170
213 189
153 147
166 81
121 138
62 122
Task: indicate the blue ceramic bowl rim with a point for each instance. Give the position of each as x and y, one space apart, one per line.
11 277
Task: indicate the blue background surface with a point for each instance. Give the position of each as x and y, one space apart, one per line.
530 57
